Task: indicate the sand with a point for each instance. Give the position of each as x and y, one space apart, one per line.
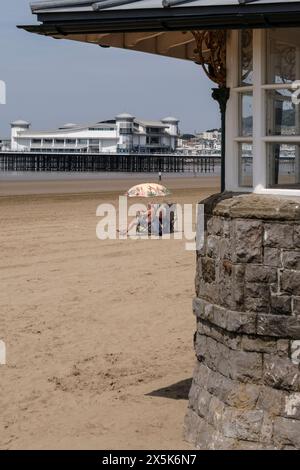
99 334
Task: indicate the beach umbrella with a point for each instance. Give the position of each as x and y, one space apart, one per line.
148 190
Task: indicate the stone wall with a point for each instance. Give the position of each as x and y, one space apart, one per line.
246 386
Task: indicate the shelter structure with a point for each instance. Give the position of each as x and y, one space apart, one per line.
246 386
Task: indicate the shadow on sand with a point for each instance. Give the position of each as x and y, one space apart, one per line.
178 391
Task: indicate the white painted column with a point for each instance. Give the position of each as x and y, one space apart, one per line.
232 112
259 104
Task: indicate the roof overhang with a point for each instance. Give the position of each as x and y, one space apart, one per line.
224 16
150 26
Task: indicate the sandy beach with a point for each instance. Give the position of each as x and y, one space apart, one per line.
99 334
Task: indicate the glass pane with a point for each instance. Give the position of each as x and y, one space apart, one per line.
245 165
283 55
284 165
246 115
283 116
246 57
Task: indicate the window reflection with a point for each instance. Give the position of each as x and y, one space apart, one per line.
284 165
245 165
246 57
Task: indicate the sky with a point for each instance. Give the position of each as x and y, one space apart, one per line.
51 82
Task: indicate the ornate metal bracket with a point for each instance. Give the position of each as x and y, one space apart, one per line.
211 52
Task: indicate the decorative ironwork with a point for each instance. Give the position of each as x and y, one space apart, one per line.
211 53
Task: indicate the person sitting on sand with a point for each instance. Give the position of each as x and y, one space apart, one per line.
143 221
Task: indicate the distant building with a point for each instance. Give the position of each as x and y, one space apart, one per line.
125 133
206 143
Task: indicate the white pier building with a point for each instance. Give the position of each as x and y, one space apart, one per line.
125 133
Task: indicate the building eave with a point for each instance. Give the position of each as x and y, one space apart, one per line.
62 24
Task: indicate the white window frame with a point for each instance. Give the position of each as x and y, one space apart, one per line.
259 139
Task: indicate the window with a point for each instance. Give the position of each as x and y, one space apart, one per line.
36 141
126 128
59 141
153 140
283 117
283 165
71 141
244 95
282 55
263 114
101 128
246 167
48 141
282 134
246 58
246 113
154 130
82 141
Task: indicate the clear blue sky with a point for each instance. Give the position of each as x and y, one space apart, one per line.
51 82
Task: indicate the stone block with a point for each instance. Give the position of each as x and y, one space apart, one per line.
281 304
191 426
238 280
283 347
271 400
209 291
257 344
297 236
229 340
199 307
277 235
296 305
257 297
193 396
218 226
240 322
201 374
213 246
245 366
247 241
280 373
203 402
280 326
225 249
205 435
260 274
233 321
242 425
215 226
208 269
287 432
272 257
215 412
220 386
243 396
291 260
266 433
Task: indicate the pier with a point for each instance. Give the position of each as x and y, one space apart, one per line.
118 162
